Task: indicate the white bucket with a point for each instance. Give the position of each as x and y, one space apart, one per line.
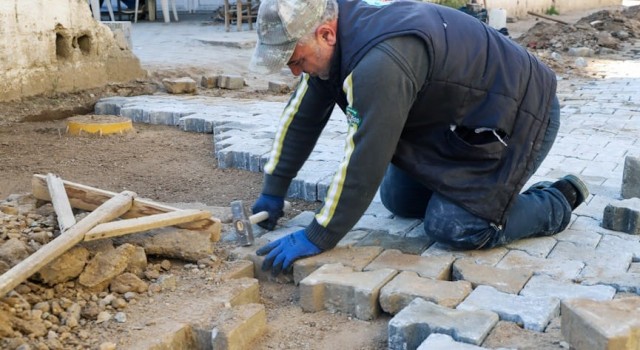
497 18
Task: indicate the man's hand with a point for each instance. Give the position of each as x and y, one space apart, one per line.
272 205
283 252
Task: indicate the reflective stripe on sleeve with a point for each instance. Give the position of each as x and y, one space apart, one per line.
335 188
285 120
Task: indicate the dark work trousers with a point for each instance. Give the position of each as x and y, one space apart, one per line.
539 211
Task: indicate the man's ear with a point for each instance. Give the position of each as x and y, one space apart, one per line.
327 33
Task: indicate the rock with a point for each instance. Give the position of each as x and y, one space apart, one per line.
130 295
581 62
106 266
581 52
4 267
107 346
43 306
91 310
184 85
128 282
103 317
167 282
120 317
119 303
35 328
13 251
138 262
5 325
172 242
606 40
165 265
65 268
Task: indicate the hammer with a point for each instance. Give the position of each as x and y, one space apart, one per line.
243 222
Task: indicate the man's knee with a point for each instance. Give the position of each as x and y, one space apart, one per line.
457 235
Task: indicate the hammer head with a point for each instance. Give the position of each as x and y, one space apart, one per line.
244 231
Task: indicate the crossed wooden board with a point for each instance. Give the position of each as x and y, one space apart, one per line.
138 215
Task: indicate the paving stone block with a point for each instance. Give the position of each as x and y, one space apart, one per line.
504 280
544 286
301 220
235 269
238 291
407 286
622 282
589 239
238 327
409 245
623 216
596 325
209 81
378 210
538 246
532 313
563 270
278 87
631 177
620 244
338 288
437 341
352 238
183 85
395 226
109 105
411 326
231 82
436 267
484 256
597 261
356 258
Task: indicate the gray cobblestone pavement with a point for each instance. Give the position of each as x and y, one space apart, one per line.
600 126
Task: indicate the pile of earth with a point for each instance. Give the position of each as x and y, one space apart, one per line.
599 33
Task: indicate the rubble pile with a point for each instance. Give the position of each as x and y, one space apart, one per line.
89 286
599 33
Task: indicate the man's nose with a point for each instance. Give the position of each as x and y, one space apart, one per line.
295 70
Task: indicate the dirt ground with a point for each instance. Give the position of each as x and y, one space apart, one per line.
165 164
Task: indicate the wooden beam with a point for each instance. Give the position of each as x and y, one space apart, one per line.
145 223
60 202
548 18
88 198
108 211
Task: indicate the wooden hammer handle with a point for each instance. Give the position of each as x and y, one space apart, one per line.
263 215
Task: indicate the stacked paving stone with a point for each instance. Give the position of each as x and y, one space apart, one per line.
438 297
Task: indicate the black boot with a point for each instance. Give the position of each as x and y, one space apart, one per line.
573 189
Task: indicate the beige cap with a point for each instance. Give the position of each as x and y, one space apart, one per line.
281 23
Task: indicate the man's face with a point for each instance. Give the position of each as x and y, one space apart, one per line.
313 57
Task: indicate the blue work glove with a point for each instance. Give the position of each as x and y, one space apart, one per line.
272 205
283 252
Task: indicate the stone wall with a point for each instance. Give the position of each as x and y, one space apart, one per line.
49 46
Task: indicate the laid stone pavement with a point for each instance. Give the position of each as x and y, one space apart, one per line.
525 282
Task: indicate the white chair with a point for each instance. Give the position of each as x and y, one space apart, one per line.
95 8
165 10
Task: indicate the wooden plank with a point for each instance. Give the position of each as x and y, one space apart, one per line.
548 18
145 223
108 211
88 198
60 202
